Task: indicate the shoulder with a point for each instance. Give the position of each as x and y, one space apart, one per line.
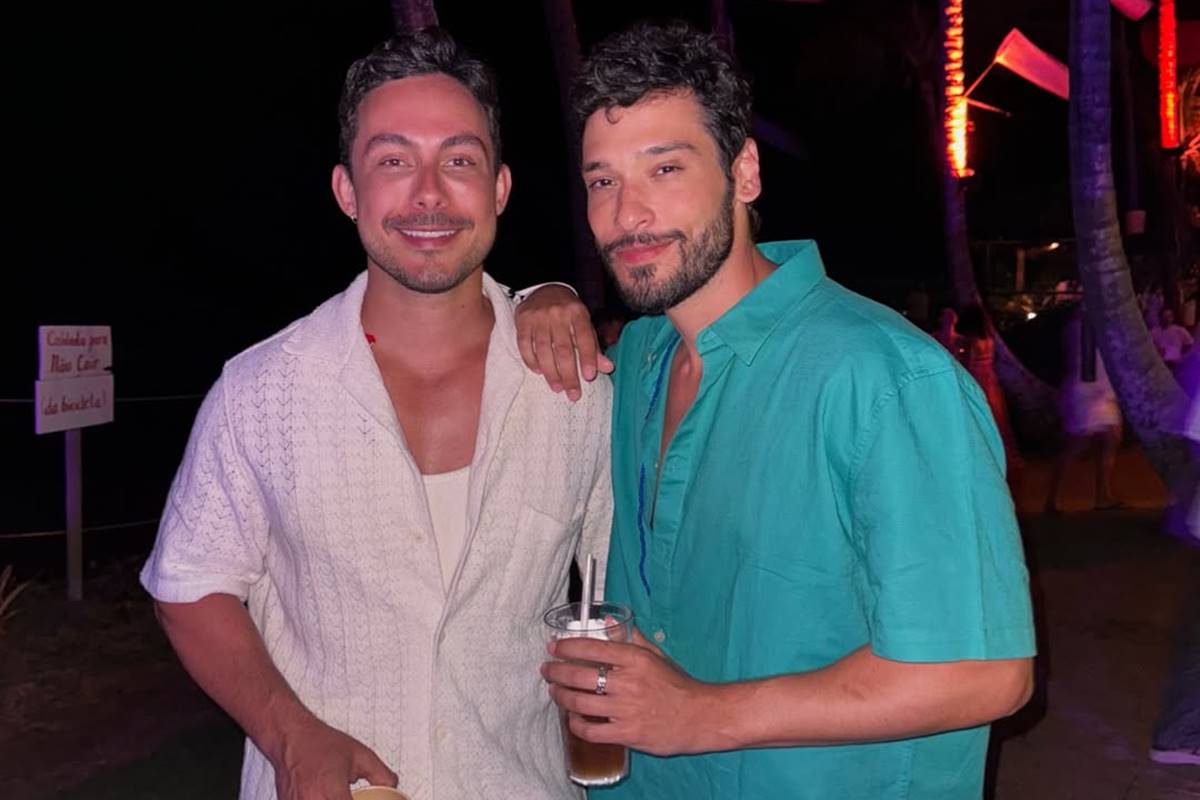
263 354
863 340
321 336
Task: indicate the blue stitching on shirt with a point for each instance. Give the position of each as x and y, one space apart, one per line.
642 527
641 509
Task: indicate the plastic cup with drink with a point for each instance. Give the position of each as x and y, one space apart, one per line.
591 763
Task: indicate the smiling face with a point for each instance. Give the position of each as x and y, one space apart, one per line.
660 204
423 188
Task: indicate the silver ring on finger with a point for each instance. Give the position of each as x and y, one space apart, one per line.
602 679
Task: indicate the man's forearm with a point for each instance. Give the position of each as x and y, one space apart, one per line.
864 698
223 652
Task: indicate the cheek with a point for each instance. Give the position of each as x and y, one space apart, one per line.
682 201
380 193
475 196
599 213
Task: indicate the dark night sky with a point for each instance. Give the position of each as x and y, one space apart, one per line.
170 175
173 172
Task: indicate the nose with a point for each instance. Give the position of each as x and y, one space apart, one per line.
429 193
632 212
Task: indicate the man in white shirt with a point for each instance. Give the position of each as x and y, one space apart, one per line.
395 499
1172 340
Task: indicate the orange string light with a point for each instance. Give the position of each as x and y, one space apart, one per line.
955 119
1168 82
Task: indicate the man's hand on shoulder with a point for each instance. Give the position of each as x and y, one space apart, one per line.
557 340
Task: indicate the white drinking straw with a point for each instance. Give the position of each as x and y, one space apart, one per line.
585 604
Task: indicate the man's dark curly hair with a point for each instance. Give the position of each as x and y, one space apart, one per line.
652 59
427 51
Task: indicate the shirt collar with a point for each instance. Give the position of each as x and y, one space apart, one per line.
333 332
748 324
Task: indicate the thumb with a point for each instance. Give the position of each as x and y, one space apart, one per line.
643 642
368 765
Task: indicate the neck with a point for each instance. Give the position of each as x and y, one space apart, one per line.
744 269
425 328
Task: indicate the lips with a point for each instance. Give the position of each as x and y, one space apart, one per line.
638 254
428 239
639 249
427 231
420 234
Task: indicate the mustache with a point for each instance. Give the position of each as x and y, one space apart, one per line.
436 220
643 239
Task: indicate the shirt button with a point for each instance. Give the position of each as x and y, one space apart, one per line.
441 733
660 637
650 358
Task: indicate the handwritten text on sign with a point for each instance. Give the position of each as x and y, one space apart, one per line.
73 351
76 403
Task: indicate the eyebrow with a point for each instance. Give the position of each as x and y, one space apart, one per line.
387 138
403 141
464 138
654 150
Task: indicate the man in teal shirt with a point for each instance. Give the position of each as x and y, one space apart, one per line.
811 521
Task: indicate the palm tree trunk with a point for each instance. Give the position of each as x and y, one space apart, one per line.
1033 402
1130 185
1175 225
1150 398
763 130
564 40
413 14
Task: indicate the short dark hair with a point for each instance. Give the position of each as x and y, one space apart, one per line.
427 51
652 59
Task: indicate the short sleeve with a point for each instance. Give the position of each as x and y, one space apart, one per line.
212 536
946 577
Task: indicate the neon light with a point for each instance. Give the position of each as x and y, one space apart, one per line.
955 119
1168 80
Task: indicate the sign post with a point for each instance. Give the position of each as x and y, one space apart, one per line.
74 468
74 390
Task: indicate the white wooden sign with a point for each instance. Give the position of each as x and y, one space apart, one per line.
75 403
73 351
74 387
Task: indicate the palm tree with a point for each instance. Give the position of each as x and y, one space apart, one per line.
1150 398
564 41
1033 400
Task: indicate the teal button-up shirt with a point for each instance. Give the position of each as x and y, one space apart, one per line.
838 482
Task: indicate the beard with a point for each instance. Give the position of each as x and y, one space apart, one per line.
425 273
699 260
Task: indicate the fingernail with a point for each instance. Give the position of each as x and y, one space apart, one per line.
573 395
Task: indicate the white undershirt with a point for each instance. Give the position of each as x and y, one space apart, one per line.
447 496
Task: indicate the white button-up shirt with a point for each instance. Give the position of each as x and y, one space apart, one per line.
298 494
